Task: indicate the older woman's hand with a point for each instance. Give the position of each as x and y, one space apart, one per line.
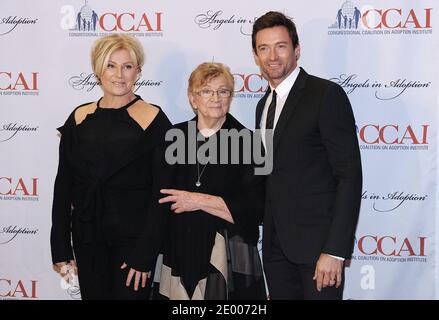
183 201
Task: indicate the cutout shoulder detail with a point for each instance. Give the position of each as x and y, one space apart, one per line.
83 111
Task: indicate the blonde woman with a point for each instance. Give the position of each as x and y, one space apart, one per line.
105 178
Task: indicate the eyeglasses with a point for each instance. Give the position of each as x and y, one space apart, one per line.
221 93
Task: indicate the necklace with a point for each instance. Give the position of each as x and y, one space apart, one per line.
198 182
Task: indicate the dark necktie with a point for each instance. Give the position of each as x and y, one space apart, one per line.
271 112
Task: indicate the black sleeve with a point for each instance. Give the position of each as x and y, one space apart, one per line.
247 205
337 127
149 243
246 201
60 239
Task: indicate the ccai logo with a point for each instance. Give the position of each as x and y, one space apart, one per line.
249 85
19 83
389 202
393 137
87 81
21 189
390 248
383 90
9 233
17 289
88 22
367 20
10 23
10 130
216 19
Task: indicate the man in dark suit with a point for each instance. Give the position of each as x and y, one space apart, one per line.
314 191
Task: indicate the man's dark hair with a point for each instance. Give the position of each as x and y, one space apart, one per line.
274 19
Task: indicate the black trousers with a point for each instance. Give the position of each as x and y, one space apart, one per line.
287 280
100 275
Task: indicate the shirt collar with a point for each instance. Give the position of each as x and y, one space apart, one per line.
285 86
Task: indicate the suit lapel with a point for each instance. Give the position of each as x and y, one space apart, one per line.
260 108
290 104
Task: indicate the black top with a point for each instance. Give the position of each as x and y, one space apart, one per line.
192 234
104 180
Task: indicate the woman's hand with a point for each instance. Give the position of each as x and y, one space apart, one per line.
137 276
67 269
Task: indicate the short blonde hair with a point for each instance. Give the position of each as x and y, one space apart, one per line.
104 47
208 71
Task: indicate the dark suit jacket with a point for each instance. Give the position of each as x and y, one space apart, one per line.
314 191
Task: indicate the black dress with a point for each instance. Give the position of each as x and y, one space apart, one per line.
206 257
102 197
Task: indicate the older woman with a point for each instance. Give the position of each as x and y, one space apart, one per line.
105 177
216 205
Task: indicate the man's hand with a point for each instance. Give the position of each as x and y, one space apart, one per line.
328 272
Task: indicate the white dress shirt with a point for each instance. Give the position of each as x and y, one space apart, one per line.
282 91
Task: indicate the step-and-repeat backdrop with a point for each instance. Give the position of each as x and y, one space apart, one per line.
383 53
